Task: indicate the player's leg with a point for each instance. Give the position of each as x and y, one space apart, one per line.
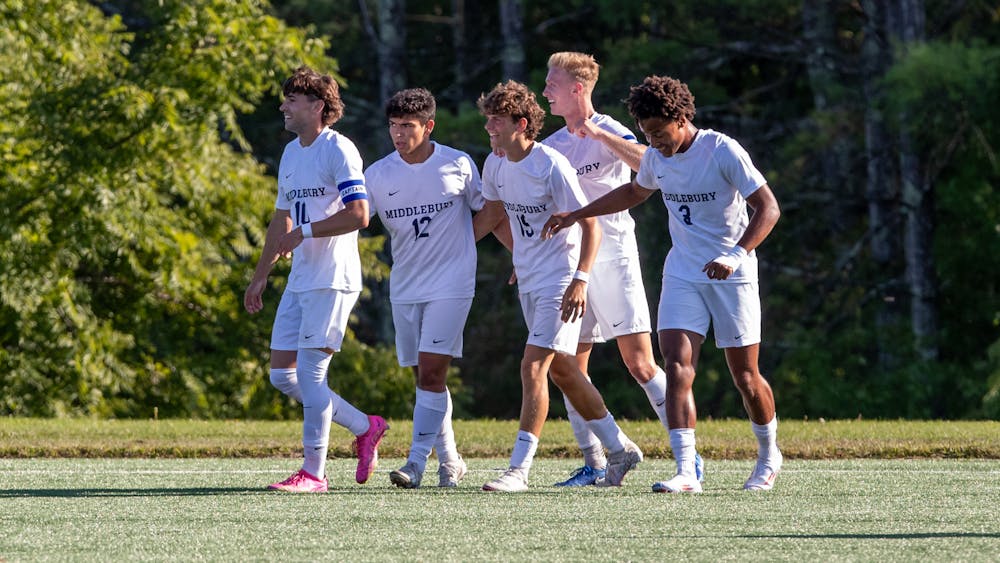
594 460
547 335
683 321
441 340
737 319
534 409
329 311
623 454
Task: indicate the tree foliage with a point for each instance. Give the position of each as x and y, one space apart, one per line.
131 209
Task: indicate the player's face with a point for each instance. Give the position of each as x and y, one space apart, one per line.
664 135
409 134
561 90
503 130
302 112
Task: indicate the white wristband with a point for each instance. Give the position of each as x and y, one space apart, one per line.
307 230
733 258
581 275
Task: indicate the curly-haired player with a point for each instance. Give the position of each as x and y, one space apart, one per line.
529 183
706 180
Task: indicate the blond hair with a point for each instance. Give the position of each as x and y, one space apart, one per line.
581 66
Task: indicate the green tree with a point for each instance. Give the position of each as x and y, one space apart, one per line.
132 209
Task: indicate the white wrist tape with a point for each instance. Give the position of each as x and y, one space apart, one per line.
307 230
733 258
582 276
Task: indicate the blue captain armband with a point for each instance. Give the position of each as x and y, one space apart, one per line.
352 190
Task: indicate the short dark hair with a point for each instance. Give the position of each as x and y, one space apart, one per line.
418 102
660 96
515 100
320 86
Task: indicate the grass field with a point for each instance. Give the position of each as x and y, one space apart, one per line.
182 490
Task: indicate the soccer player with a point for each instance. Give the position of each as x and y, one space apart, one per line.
706 180
321 204
603 152
529 183
425 194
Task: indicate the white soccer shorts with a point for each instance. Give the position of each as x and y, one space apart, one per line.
312 319
434 326
733 309
616 301
543 315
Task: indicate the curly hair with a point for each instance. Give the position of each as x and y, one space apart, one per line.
660 96
514 99
581 66
320 86
417 102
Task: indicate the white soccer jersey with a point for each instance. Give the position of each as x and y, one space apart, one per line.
427 209
315 182
532 189
705 190
599 171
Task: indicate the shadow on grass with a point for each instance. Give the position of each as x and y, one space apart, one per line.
913 536
86 493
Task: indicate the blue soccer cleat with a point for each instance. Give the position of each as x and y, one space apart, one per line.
583 476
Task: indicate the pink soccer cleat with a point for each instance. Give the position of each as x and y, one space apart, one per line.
366 447
300 482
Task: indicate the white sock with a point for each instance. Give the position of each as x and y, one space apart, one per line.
682 442
315 462
316 407
609 433
656 392
348 416
524 451
428 415
584 437
767 439
284 380
594 456
447 450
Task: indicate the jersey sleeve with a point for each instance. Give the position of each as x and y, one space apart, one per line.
646 177
737 168
566 190
348 174
489 177
473 184
371 177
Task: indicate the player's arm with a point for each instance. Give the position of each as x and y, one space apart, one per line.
493 219
352 217
765 217
281 223
621 198
628 150
574 302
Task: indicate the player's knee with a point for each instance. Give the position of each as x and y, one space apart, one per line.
679 374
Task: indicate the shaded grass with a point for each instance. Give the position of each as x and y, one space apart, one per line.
216 509
717 439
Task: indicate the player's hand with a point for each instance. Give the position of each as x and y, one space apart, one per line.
289 242
253 301
724 266
574 302
586 128
513 278
556 223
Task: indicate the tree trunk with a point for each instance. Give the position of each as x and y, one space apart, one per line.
512 30
880 189
907 25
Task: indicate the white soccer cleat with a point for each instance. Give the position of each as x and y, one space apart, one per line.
512 481
406 477
764 474
620 463
680 483
450 474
